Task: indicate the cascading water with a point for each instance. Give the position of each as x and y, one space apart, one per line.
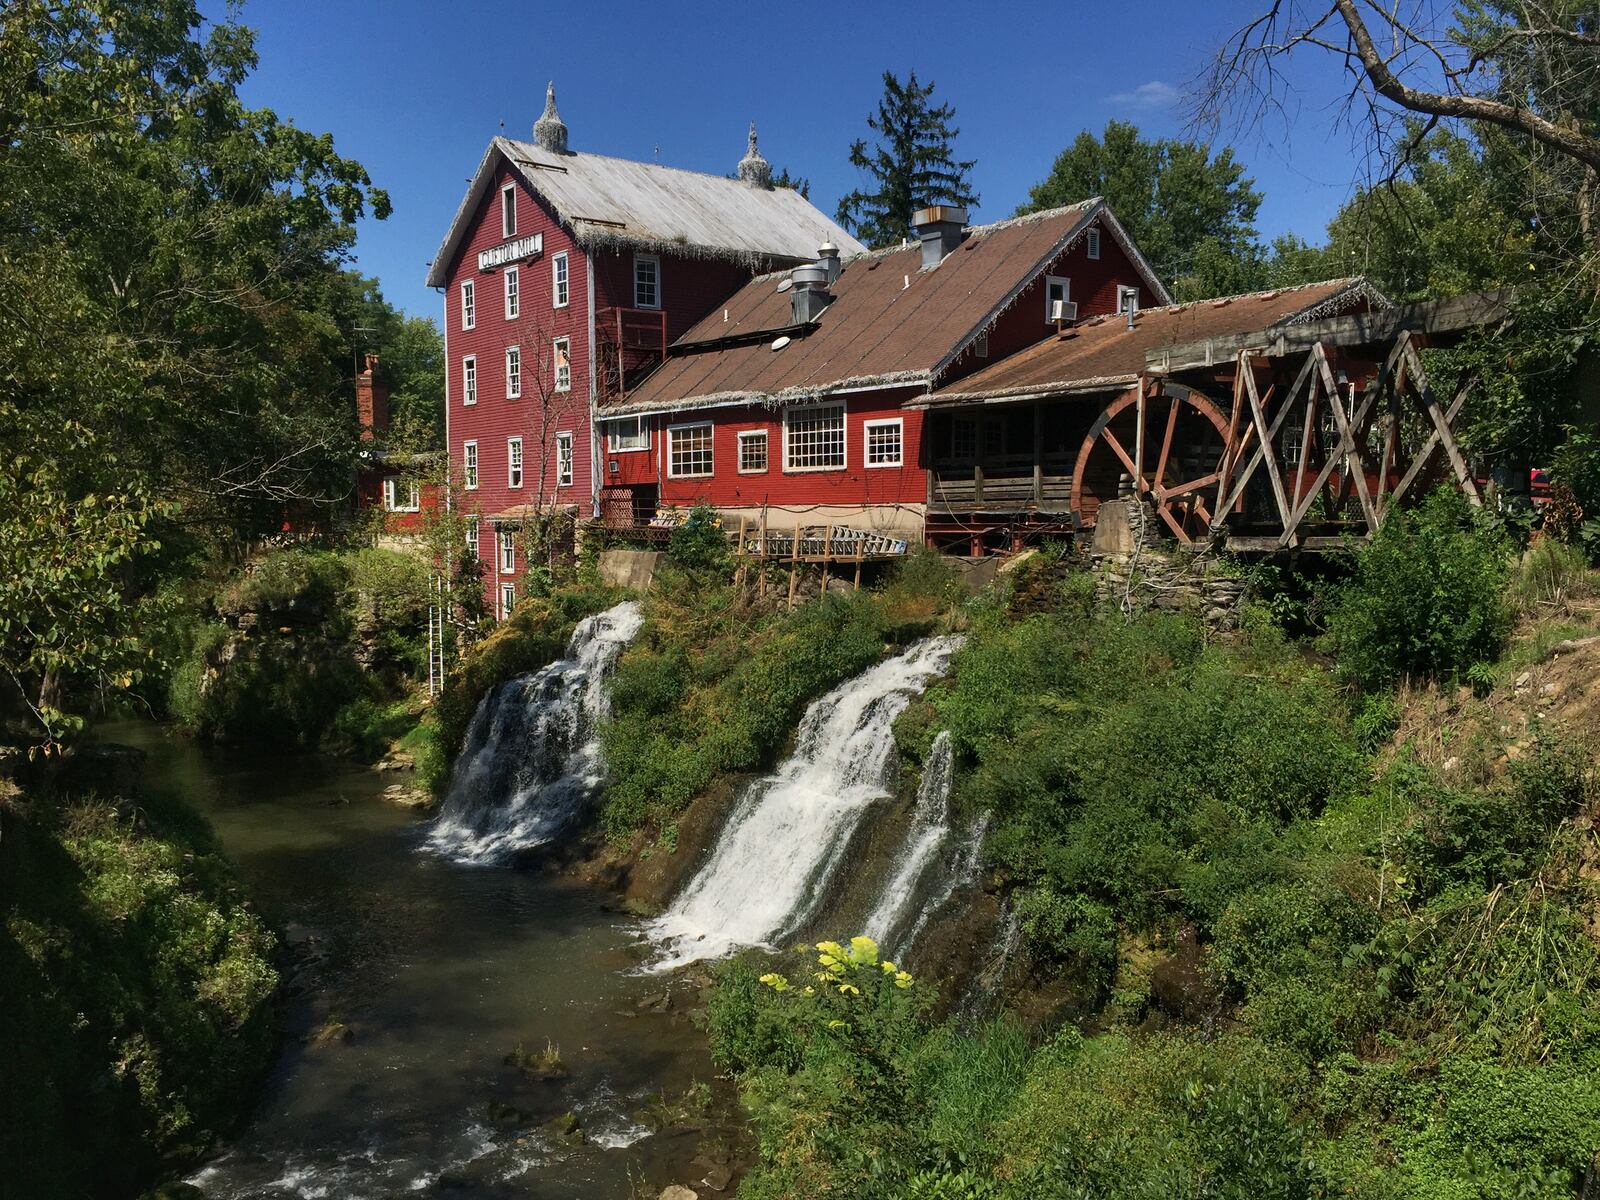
531 759
788 835
894 907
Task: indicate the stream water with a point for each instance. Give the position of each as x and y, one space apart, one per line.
417 977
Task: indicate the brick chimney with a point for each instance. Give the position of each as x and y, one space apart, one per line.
372 399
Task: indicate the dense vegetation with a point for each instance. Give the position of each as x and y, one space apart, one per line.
1307 962
136 983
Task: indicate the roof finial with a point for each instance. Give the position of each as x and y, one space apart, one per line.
550 131
753 169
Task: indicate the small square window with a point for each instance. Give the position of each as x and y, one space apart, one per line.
508 210
646 281
514 462
752 451
469 305
885 443
689 452
563 364
1091 243
469 380
564 460
513 294
560 283
469 465
402 495
513 372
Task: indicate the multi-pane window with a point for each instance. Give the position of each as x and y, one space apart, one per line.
752 451
1055 288
401 495
885 443
508 210
560 285
1091 243
632 434
469 380
469 465
563 460
646 281
963 438
508 599
472 534
514 462
513 372
469 304
508 551
813 438
563 361
689 451
513 294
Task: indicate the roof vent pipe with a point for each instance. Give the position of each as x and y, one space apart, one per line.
809 295
939 227
828 256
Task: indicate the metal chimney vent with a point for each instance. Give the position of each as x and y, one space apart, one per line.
939 227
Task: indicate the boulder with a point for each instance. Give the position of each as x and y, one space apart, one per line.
676 1191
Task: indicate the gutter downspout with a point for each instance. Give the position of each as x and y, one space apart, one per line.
594 400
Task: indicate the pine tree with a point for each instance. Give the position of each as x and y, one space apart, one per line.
912 165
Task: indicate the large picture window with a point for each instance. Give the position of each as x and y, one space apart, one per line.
885 443
632 434
813 438
689 451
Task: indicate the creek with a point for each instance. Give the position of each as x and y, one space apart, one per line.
416 977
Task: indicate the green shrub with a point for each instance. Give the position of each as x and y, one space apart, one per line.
281 580
1428 597
700 543
136 983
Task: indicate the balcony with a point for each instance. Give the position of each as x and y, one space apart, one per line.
629 344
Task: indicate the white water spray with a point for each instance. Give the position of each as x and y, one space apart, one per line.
788 834
929 831
531 759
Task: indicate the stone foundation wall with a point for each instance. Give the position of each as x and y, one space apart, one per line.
1136 571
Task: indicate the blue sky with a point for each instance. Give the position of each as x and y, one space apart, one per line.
416 88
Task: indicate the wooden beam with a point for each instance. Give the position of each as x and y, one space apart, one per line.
1428 447
1359 329
1347 441
1266 439
1441 426
1263 447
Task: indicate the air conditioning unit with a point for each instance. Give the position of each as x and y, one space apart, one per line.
1063 312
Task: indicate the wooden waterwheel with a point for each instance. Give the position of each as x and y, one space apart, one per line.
1166 442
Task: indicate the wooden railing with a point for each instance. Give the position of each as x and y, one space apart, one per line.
1000 483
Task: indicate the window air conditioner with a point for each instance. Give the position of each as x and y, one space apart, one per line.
1063 312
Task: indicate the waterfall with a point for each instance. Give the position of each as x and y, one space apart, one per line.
787 836
531 758
929 831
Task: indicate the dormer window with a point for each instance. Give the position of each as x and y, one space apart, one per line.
1091 243
508 210
1127 299
646 281
1056 288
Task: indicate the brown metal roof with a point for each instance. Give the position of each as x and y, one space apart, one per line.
890 321
1102 352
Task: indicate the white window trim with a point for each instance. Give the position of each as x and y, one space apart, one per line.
739 457
516 467
565 435
672 430
513 378
472 533
506 551
469 304
804 408
611 437
556 261
508 212
1091 244
1066 292
470 481
651 258
508 599
866 442
513 293
559 344
391 495
469 395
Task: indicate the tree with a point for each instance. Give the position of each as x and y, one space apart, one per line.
174 318
1192 214
912 165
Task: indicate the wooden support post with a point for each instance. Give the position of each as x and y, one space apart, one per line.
977 476
1356 466
1138 446
794 564
761 562
827 556
1265 450
1430 444
742 558
1038 452
1441 426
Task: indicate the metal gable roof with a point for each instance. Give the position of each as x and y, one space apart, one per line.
614 201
